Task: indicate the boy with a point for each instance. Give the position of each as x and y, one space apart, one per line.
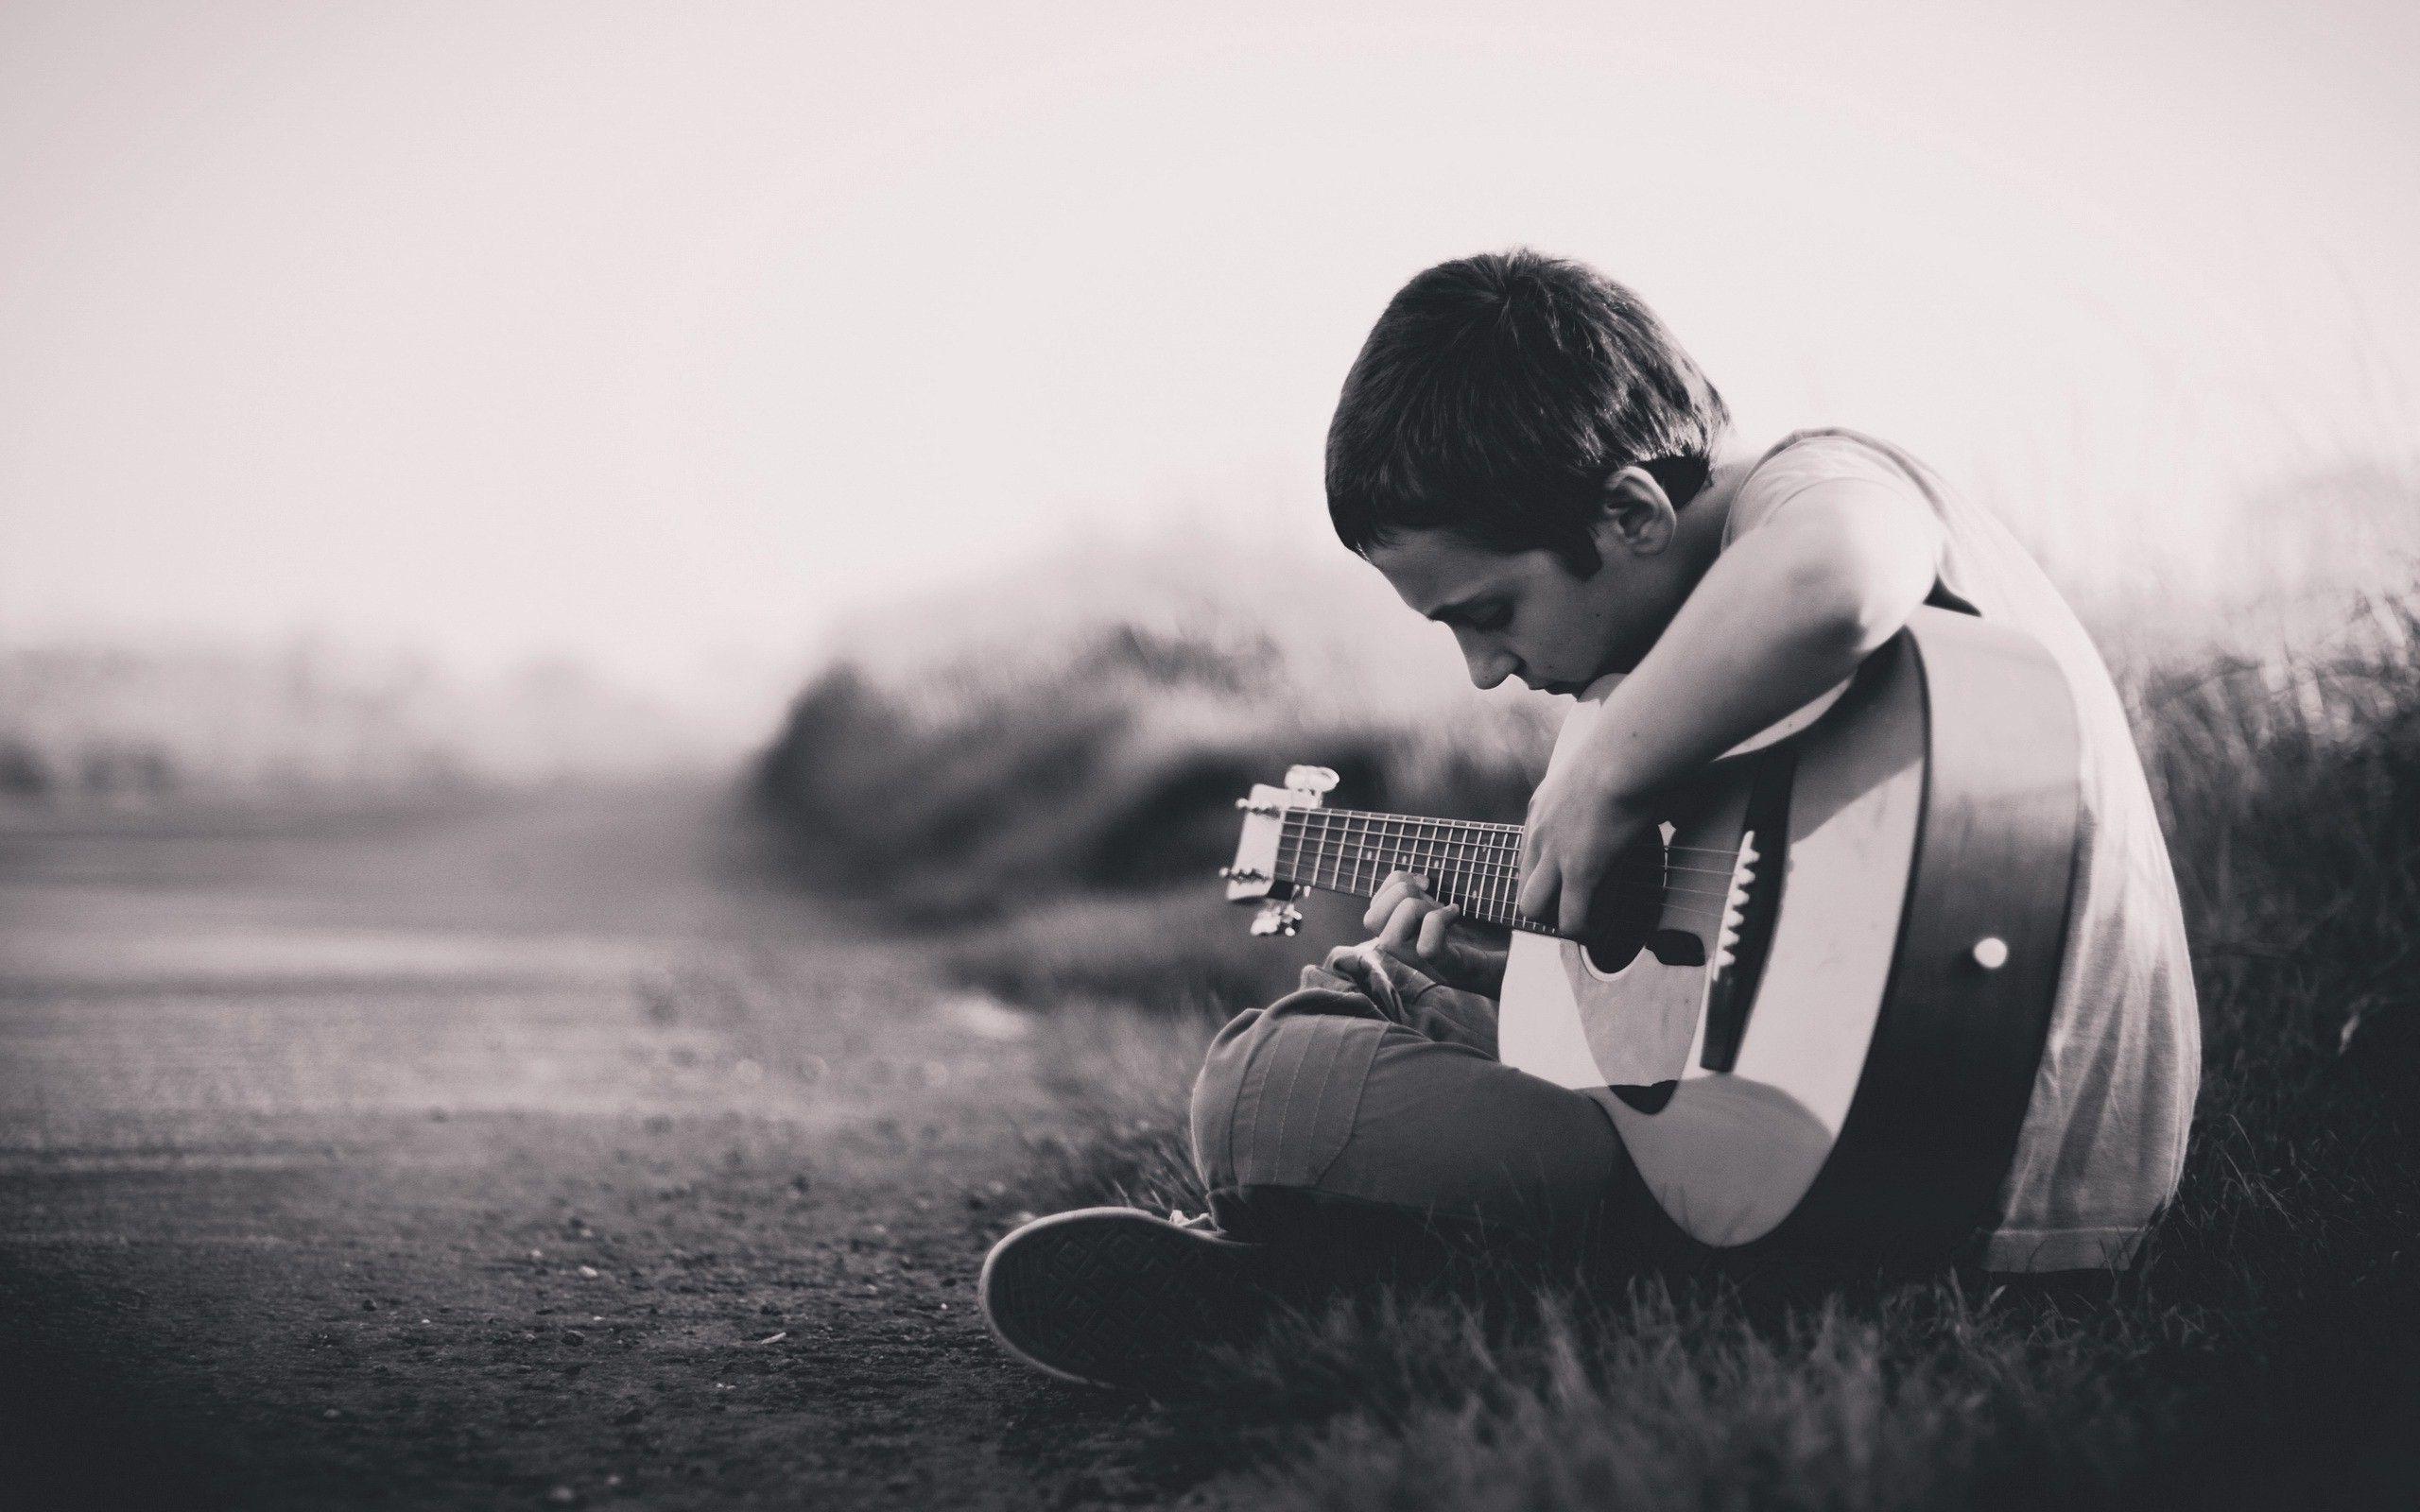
1528 458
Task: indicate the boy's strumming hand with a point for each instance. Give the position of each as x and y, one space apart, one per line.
1577 824
1414 927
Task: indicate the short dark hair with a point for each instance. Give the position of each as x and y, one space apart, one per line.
1494 397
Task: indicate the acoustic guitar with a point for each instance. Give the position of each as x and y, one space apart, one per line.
1815 999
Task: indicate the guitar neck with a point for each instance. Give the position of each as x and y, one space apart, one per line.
1474 866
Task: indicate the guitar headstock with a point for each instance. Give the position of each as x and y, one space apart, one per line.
1253 874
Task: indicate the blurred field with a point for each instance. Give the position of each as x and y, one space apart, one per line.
126 724
1051 822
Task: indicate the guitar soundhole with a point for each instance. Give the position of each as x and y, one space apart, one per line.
1627 907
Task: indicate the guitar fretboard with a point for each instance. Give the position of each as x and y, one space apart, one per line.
1477 866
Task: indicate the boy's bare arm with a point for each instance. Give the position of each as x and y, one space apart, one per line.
1782 616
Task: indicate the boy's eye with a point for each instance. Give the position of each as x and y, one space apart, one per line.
1493 618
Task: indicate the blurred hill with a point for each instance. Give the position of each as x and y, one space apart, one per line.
1085 722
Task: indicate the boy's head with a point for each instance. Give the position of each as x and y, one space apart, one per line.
1508 432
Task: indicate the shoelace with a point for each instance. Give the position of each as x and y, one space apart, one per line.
1184 1220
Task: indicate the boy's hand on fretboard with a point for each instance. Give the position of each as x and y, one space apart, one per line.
1434 936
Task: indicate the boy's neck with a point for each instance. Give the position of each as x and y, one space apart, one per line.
1702 521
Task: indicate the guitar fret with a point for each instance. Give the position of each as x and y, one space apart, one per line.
1443 873
1500 886
1483 862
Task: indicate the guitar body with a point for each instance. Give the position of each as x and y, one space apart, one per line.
1816 1010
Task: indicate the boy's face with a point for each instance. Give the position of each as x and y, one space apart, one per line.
1526 614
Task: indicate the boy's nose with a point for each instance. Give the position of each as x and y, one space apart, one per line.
1489 665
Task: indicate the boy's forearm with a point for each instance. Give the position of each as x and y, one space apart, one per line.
1774 623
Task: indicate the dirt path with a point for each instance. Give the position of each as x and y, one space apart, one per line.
503 1154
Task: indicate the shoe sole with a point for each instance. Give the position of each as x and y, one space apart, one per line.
1114 1296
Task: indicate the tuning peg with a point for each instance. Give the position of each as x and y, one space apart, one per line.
1277 918
1312 780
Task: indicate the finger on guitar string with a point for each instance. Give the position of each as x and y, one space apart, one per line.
1436 932
1576 896
1404 926
1398 886
1535 899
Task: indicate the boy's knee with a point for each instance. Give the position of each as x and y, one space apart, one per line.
1277 1094
1218 1101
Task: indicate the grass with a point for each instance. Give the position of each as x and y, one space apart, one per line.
2265 1350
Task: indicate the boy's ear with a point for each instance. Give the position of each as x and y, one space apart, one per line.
1634 513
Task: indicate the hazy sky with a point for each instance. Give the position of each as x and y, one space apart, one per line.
657 334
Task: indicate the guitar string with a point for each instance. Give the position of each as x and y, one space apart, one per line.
1485 911
1475 895
1404 848
1302 825
1502 856
1384 864
1397 862
1467 896
1390 849
1355 856
1700 917
1691 850
1344 818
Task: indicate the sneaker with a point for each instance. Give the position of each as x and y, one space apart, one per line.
1114 1296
